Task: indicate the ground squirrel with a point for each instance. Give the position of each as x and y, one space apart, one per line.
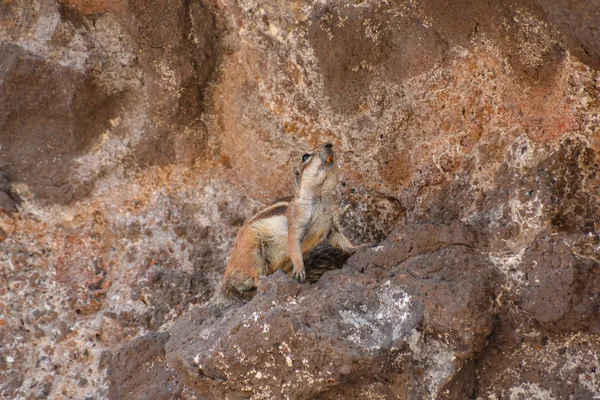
280 236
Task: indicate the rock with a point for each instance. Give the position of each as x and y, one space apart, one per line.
414 240
394 328
579 22
537 364
169 291
4 182
562 283
139 371
399 48
86 82
7 204
10 387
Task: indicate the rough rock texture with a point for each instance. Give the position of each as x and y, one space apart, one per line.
139 370
390 326
136 137
84 88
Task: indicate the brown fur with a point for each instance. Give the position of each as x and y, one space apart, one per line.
282 235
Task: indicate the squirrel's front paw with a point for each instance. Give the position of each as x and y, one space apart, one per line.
299 274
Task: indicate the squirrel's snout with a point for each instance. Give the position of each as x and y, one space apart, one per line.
327 153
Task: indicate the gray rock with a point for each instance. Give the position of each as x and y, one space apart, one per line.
402 328
139 371
7 204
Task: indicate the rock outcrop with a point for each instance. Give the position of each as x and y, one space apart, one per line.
136 137
392 323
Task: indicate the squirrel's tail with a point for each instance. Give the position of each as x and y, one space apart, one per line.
227 294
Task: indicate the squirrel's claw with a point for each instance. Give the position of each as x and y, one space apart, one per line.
299 275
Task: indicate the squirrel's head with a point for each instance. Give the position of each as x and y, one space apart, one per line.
317 172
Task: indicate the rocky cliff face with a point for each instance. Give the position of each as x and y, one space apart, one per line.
136 137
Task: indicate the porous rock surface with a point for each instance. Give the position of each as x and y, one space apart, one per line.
136 137
389 325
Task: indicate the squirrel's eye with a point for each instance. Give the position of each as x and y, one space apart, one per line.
305 157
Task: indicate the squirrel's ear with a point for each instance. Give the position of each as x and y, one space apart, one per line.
297 176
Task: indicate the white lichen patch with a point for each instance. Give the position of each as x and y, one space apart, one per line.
395 308
360 325
527 214
529 391
508 264
523 153
438 358
383 326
